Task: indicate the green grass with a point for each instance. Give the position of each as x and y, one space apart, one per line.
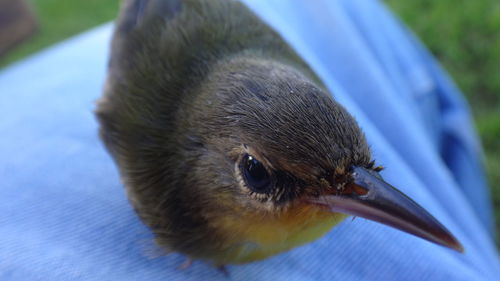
60 19
464 35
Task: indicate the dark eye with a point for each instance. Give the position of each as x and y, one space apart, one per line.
255 174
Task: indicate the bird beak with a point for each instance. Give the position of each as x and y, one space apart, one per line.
370 197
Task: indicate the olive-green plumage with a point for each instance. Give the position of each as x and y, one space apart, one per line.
220 131
190 85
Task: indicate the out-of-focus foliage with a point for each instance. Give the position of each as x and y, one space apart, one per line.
59 19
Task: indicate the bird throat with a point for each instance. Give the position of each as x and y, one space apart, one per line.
261 237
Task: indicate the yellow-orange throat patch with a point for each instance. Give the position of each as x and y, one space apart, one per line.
258 237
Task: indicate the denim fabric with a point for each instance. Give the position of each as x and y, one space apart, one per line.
64 214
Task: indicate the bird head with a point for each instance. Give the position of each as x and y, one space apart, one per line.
276 152
228 145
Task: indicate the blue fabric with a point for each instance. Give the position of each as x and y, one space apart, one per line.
64 214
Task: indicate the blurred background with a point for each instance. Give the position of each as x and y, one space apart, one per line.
464 36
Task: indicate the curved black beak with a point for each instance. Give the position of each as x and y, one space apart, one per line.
370 197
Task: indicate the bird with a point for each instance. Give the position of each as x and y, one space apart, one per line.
230 148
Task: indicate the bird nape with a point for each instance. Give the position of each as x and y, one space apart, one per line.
230 148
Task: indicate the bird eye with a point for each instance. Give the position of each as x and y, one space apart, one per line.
255 174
